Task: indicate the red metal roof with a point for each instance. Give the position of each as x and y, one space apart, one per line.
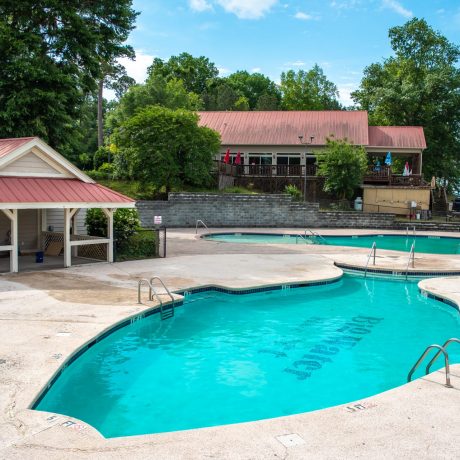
284 128
397 136
45 190
9 145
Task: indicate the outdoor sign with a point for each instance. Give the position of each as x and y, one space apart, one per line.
157 220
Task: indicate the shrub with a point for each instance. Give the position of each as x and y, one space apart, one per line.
343 166
141 245
125 223
293 191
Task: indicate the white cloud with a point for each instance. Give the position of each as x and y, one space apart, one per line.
345 5
223 71
345 91
138 69
247 9
397 8
305 16
200 5
256 70
297 63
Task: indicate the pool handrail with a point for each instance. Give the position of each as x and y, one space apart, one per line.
314 234
153 294
436 356
199 221
411 258
299 235
422 357
372 251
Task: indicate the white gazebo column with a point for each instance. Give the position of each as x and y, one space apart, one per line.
68 214
109 214
12 214
74 231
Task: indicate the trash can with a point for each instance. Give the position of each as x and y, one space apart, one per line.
39 257
358 204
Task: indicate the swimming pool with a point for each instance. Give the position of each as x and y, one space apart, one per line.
226 358
426 244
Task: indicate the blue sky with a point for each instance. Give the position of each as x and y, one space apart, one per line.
272 36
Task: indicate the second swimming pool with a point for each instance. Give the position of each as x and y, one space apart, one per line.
425 244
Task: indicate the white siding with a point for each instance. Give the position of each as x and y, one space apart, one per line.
30 163
55 218
28 228
5 227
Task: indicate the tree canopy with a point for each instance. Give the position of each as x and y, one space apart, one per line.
195 72
50 58
343 165
308 90
166 147
420 85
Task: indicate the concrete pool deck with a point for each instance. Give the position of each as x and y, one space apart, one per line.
45 316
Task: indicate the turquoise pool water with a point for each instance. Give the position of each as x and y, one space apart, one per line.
231 358
426 244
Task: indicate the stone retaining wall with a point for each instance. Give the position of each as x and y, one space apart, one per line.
235 210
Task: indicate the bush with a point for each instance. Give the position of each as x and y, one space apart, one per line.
125 223
141 245
343 166
293 191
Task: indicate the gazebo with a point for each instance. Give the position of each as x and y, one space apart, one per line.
43 202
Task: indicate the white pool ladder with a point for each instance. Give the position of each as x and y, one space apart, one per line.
411 259
441 349
373 251
198 222
166 310
314 234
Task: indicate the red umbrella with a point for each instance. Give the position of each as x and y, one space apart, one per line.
238 158
227 156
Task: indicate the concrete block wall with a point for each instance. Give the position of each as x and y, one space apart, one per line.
235 210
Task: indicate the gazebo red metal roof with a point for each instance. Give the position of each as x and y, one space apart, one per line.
9 145
48 190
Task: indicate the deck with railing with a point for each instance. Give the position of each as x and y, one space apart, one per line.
383 175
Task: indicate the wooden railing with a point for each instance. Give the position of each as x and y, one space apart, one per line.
383 175
265 170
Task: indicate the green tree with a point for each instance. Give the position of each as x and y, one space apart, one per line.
156 91
419 86
254 87
195 72
343 165
166 147
308 90
50 58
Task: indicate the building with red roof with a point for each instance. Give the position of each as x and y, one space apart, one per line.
279 148
43 201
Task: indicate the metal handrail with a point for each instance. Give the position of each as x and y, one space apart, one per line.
436 356
314 234
372 251
446 362
164 286
152 291
199 221
411 257
299 235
